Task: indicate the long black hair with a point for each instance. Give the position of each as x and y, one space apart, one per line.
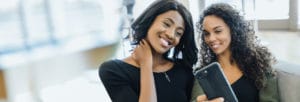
253 59
187 46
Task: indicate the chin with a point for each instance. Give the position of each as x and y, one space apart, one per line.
161 51
217 52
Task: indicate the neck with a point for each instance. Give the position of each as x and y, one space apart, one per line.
158 59
224 60
157 62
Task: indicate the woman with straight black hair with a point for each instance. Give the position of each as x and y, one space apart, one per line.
148 74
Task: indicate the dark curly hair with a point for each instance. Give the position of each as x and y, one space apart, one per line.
187 45
253 59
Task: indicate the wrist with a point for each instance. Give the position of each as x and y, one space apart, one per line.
146 65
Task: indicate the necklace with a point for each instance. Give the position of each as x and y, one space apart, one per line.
167 77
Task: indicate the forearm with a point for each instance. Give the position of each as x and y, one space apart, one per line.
148 91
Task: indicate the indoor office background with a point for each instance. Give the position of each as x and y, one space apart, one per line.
50 50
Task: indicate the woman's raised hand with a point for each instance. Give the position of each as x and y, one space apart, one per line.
142 54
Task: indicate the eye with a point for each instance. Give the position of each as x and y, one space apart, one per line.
166 24
205 33
218 31
179 34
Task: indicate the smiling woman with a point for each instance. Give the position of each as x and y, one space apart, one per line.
148 74
226 37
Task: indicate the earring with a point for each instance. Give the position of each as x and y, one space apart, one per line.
171 53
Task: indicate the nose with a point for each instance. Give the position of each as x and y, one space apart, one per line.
210 38
170 34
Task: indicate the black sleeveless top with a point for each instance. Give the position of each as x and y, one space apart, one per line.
245 90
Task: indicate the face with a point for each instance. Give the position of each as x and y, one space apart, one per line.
216 34
166 31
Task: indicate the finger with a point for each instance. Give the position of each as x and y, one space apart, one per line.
142 42
146 44
133 56
201 98
135 50
220 99
139 47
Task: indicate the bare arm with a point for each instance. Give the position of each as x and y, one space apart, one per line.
148 91
143 56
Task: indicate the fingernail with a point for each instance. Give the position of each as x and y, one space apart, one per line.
222 99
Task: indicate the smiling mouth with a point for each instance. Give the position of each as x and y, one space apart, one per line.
214 46
165 43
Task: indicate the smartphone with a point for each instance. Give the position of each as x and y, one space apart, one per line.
214 83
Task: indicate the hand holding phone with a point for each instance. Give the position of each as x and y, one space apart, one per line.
214 83
203 98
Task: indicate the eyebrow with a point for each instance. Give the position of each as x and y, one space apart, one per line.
171 20
213 28
217 27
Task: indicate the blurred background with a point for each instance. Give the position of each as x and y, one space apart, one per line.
50 50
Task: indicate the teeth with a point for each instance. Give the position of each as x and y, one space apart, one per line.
214 46
164 42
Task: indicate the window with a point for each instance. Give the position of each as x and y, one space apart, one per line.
32 30
11 36
26 25
272 9
259 9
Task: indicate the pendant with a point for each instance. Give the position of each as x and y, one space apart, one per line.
167 77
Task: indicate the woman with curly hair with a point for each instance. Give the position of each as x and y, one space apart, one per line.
225 37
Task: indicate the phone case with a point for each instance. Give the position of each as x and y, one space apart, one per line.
214 83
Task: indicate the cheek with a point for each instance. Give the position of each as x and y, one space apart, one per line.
228 40
205 40
177 41
147 37
228 36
